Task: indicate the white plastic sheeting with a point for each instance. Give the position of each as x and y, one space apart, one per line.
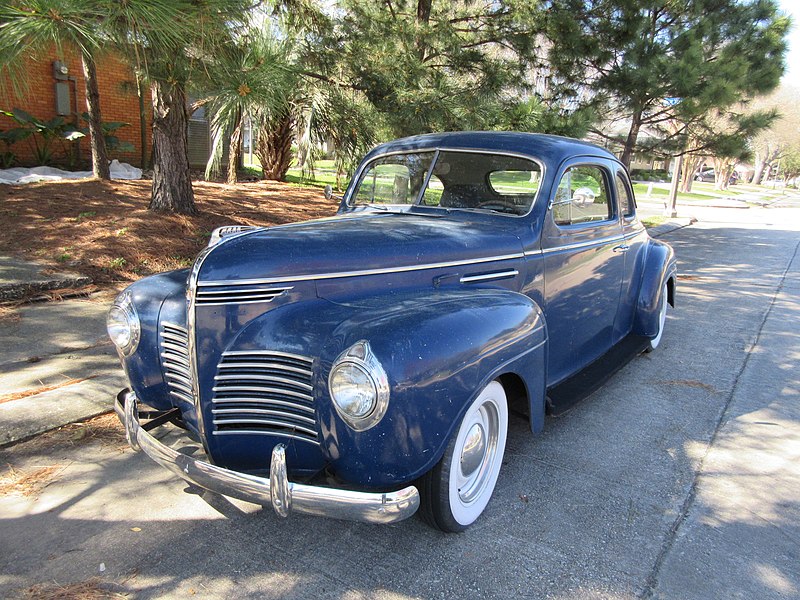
118 171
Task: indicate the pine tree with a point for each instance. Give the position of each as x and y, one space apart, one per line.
656 62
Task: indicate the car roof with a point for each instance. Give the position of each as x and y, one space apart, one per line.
550 148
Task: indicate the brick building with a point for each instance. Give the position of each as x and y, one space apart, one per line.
53 91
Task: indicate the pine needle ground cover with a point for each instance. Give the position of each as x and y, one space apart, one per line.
104 230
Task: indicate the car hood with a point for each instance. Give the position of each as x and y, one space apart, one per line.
353 244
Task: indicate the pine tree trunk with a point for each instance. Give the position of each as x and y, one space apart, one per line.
172 182
234 152
274 149
630 142
97 141
423 18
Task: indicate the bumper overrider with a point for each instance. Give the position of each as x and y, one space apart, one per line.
282 494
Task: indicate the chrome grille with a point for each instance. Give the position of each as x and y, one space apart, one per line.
263 392
237 294
175 360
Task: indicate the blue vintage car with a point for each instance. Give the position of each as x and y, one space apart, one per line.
364 366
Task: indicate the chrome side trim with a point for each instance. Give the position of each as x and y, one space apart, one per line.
489 276
588 244
579 245
377 507
343 274
227 292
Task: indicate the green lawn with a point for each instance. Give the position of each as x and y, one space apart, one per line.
659 193
654 220
705 191
324 174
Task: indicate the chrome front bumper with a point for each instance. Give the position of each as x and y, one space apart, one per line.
283 495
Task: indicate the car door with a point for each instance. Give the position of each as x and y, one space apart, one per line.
634 246
583 258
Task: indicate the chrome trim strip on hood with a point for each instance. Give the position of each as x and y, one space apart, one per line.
343 274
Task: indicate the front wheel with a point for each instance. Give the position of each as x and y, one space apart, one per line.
662 319
456 491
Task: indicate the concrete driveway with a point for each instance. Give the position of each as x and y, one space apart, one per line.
680 478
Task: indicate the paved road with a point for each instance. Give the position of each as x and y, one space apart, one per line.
678 479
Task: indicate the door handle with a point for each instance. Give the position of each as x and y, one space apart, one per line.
622 248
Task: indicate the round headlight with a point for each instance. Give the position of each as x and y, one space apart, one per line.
359 387
122 323
353 390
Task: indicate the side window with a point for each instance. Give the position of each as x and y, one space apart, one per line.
582 197
626 202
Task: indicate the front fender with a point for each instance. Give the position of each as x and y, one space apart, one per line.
438 348
660 267
151 296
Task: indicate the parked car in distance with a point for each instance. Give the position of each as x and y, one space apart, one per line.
705 176
709 176
365 366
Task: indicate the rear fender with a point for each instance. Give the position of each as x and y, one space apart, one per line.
660 267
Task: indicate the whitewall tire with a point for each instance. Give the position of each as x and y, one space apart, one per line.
456 491
662 319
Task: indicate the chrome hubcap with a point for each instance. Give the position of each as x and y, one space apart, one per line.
478 451
474 450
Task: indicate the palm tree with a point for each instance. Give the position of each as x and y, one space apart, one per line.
30 28
252 77
340 117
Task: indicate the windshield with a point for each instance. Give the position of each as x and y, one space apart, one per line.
457 180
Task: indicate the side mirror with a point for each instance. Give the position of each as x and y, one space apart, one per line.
328 191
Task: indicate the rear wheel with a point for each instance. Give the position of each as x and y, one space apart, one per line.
662 319
456 491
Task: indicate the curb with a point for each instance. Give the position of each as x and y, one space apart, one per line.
20 278
670 226
30 416
21 290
